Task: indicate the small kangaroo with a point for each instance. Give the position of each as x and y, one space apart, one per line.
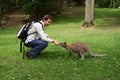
80 48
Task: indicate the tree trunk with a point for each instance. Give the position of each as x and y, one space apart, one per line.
114 4
0 14
89 14
111 3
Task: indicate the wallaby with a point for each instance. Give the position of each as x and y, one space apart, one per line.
80 48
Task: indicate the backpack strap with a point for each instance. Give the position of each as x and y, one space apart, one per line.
22 48
35 32
41 24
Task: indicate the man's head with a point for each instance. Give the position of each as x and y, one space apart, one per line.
47 19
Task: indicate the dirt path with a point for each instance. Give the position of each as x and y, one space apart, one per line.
12 19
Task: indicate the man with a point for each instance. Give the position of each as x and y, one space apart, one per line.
38 39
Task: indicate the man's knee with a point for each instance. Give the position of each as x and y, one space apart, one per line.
45 44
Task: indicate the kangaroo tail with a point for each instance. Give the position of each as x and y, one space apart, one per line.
96 55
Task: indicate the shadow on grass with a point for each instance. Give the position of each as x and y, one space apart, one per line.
106 27
68 18
108 23
53 55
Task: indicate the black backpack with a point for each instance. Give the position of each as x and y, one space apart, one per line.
22 35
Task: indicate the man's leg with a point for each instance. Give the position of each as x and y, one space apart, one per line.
37 47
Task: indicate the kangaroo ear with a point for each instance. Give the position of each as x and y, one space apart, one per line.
65 43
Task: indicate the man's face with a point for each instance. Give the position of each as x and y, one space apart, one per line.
47 22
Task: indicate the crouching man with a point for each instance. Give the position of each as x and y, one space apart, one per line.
38 40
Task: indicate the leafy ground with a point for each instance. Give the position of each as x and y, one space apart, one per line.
54 63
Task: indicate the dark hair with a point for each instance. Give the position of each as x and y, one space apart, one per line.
46 17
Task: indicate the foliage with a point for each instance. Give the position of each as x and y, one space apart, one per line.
5 6
37 8
54 63
34 8
79 2
108 3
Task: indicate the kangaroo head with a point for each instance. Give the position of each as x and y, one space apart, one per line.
63 44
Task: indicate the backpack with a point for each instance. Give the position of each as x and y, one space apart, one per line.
23 33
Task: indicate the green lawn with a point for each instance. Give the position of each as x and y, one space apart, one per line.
54 63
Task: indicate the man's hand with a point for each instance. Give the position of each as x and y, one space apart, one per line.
56 42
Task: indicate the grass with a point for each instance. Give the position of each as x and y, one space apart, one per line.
54 63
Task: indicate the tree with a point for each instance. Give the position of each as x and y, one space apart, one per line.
0 13
114 3
79 2
89 14
5 7
34 8
37 8
108 3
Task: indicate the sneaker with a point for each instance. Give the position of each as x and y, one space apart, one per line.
28 55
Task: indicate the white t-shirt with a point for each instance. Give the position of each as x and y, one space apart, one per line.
38 32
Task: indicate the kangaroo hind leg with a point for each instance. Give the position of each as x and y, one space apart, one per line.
81 55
